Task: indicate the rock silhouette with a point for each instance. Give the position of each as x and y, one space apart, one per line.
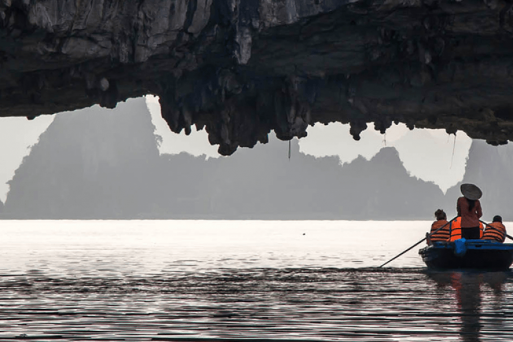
244 68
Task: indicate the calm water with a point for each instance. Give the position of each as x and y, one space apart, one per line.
238 280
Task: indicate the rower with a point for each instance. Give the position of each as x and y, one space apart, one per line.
469 209
495 231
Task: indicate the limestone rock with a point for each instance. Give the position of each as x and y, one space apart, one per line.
241 68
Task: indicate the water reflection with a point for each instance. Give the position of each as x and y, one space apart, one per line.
323 304
469 288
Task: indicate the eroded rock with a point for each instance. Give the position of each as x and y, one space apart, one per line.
241 68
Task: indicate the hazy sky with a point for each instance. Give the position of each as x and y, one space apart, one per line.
426 154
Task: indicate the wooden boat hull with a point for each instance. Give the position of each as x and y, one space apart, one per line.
478 254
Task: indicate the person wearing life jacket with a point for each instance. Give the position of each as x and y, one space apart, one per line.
495 231
456 230
469 209
442 234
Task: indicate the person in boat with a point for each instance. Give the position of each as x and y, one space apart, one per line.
455 229
443 234
495 231
469 209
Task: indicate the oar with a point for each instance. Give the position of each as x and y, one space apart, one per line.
486 224
397 256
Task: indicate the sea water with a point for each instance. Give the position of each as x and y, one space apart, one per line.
238 280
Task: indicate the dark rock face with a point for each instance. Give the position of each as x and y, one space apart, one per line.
241 68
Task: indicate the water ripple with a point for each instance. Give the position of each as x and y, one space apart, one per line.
260 304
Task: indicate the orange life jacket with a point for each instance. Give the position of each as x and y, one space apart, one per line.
455 228
495 231
443 234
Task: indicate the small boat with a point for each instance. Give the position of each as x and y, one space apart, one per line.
470 254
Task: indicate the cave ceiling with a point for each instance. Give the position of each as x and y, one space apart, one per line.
243 68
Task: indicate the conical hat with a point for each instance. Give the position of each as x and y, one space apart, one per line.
471 192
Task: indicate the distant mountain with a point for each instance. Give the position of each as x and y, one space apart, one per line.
382 189
263 183
490 168
107 165
88 164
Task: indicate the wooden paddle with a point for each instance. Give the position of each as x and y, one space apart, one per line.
430 234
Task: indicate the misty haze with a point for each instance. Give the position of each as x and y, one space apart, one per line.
97 164
256 170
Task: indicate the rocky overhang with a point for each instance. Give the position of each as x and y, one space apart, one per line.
241 68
